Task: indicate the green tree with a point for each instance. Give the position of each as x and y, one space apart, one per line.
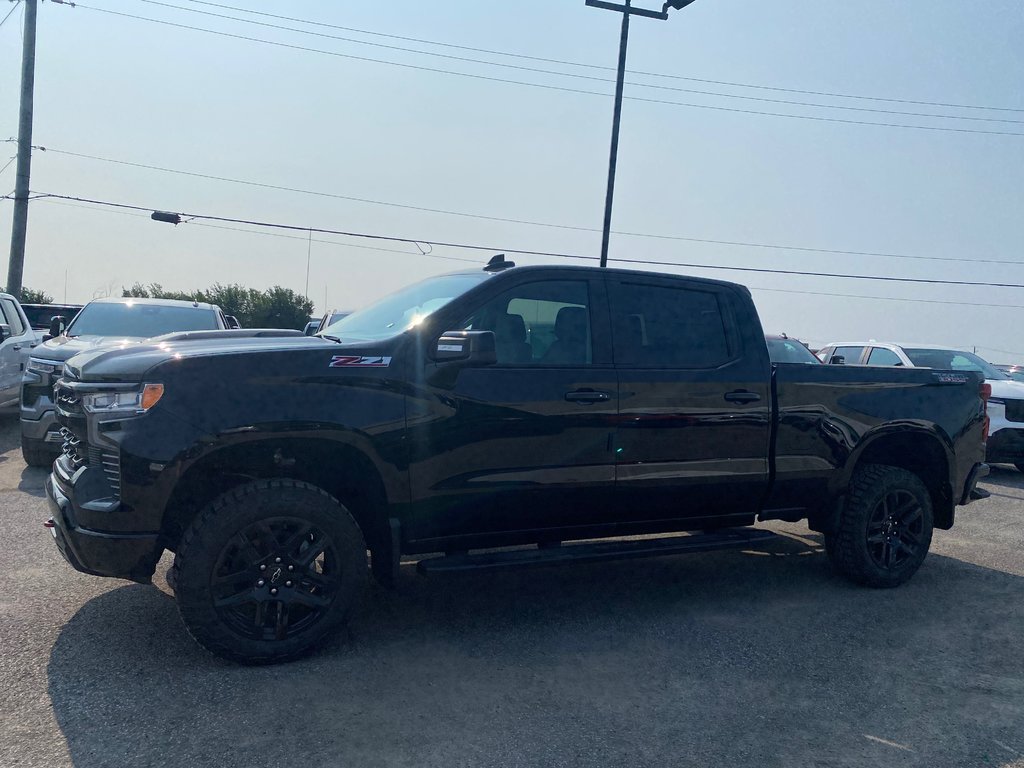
275 307
32 296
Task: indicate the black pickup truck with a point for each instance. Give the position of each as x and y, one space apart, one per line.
527 407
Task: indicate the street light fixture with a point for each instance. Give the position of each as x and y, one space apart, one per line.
626 10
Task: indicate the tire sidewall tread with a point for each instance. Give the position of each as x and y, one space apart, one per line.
201 543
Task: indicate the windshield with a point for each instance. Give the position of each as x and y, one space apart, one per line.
953 359
790 351
140 320
39 317
402 310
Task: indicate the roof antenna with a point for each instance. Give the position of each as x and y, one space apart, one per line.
498 263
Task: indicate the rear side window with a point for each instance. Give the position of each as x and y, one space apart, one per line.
661 326
12 317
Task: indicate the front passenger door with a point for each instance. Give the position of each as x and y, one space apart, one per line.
13 351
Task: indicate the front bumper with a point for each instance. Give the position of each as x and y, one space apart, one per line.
122 555
1005 446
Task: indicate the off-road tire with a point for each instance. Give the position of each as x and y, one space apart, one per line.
37 454
855 546
264 503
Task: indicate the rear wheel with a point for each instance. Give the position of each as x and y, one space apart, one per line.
268 570
885 529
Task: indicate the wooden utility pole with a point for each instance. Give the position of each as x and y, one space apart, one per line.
19 228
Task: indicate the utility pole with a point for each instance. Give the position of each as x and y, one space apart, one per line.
626 10
19 228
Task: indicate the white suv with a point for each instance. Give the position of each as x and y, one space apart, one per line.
1005 407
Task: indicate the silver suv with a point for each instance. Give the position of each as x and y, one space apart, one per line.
101 322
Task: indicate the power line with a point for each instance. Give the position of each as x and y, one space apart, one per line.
13 8
551 254
508 81
137 214
597 66
537 70
527 222
8 163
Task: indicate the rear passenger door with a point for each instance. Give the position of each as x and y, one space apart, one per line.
694 398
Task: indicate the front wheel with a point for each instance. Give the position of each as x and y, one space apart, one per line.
37 453
885 529
268 570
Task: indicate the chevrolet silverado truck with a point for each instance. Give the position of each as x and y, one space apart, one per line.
494 418
110 321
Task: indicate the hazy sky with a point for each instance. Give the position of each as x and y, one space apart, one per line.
139 92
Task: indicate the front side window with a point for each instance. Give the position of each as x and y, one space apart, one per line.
850 355
669 327
543 323
13 318
134 319
790 351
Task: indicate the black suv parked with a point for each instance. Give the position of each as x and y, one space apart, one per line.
513 406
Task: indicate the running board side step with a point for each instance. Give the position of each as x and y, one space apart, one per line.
593 552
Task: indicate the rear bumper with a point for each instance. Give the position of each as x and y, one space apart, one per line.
122 555
971 490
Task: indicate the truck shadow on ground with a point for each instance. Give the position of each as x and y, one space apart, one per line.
724 658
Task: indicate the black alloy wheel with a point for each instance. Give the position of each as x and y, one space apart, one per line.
884 530
268 570
275 577
895 529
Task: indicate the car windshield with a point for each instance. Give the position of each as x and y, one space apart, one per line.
953 359
39 317
140 320
790 351
402 310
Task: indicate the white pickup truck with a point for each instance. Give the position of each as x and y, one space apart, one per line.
16 341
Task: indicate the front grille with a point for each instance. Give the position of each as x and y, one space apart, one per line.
1015 410
68 400
81 454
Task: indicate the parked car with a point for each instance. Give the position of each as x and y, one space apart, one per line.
511 406
102 322
782 349
329 318
1005 406
1015 372
16 341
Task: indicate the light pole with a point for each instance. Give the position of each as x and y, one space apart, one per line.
626 10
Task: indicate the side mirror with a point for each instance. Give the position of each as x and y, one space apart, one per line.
5 332
474 347
57 325
837 360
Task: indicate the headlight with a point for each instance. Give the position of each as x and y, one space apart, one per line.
134 401
37 365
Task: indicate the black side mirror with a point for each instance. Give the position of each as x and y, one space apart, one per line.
474 347
5 332
837 360
57 325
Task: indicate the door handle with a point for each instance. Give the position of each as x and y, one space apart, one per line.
742 396
586 396
16 347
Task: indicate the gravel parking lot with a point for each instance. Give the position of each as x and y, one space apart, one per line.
734 658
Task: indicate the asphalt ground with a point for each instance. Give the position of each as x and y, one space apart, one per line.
762 657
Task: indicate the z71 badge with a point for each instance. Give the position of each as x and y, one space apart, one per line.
344 361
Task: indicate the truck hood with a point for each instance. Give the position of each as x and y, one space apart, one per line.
63 348
131 362
1007 389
